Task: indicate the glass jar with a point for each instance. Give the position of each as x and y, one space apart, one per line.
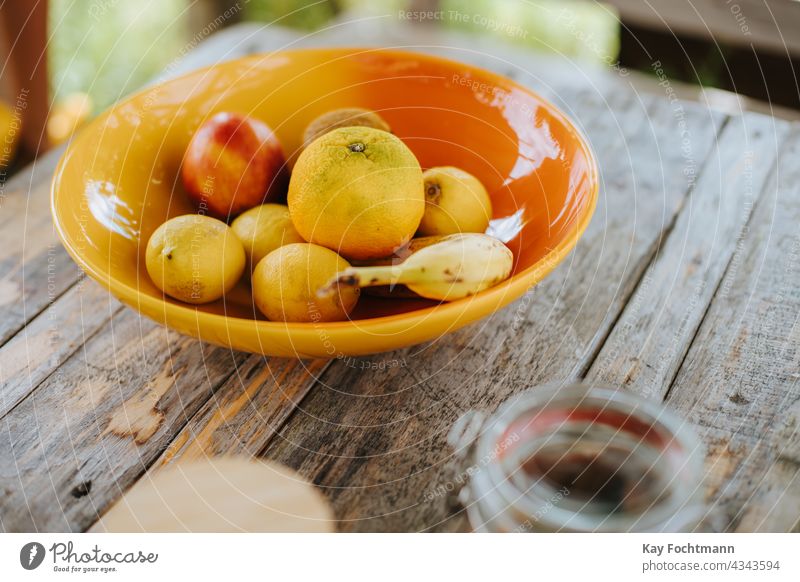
583 459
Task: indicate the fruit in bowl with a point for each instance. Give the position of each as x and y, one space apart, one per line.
263 229
536 167
443 268
195 258
233 162
286 281
355 190
455 202
344 117
358 191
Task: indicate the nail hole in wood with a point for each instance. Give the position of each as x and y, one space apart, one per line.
81 490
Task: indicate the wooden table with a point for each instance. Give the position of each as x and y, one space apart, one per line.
686 288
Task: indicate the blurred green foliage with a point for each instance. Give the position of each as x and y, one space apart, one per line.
301 14
585 30
107 48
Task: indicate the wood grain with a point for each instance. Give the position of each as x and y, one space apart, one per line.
648 343
91 428
47 341
740 382
35 270
246 411
774 499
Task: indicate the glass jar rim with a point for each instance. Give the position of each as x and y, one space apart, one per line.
684 508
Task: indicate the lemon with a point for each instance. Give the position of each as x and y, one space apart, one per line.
285 285
263 229
455 202
345 117
357 191
194 258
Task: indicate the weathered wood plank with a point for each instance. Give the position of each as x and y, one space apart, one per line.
246 411
772 505
34 269
89 430
650 340
375 440
45 343
739 383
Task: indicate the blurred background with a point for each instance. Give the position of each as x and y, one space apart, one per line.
67 60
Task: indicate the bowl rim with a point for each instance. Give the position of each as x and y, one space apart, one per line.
484 302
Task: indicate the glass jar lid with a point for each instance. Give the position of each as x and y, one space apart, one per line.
585 458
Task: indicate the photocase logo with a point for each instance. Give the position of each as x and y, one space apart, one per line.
31 555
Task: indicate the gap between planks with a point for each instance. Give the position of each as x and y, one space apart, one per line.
739 383
687 268
644 265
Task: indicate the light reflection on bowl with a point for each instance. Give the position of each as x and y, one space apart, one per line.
110 210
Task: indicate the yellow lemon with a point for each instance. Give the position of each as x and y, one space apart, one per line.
455 202
358 191
194 258
345 117
263 229
285 285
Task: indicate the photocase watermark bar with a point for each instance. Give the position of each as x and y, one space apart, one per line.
247 556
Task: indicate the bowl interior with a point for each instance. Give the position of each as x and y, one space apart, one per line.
119 180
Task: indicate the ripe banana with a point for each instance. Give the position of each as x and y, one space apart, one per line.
399 291
446 269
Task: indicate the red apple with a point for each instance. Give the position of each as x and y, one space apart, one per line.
233 163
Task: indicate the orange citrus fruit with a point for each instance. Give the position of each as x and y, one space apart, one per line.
357 191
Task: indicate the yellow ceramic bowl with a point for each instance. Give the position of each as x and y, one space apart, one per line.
119 180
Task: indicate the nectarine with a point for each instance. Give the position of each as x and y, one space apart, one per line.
233 163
